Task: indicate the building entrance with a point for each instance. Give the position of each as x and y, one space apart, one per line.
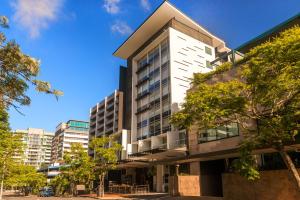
211 177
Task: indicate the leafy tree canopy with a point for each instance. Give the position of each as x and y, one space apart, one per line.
77 170
17 72
26 177
106 151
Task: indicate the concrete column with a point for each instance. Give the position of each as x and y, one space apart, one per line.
159 178
195 168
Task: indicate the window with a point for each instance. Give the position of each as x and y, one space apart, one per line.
208 65
222 132
164 52
208 50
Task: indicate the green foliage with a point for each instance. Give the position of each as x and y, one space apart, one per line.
10 145
60 184
77 169
203 77
262 94
106 151
27 178
17 72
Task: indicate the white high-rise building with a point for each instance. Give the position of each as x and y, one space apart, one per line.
37 146
162 55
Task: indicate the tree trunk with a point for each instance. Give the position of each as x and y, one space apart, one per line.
26 191
2 180
1 189
101 185
187 142
291 168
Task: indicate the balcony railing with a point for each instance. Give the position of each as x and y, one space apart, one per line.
142 68
142 80
232 56
142 94
142 109
178 144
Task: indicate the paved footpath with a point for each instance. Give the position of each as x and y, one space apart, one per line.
114 197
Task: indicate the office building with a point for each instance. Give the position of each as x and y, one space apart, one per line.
37 150
66 134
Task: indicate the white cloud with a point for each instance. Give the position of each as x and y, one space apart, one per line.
35 15
112 6
121 28
145 4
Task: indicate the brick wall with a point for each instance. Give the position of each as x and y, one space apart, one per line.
273 185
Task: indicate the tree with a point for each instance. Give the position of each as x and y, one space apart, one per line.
17 72
77 169
60 184
261 93
27 178
106 152
10 146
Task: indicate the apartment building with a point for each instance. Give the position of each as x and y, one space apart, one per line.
73 131
106 119
37 150
162 55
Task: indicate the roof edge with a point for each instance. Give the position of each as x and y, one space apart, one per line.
269 31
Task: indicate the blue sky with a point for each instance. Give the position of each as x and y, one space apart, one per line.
75 39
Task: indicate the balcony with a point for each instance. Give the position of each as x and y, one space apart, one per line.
142 137
166 128
161 148
142 109
142 94
142 68
142 80
109 130
222 57
178 144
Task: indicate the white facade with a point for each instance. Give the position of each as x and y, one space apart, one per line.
37 146
162 56
161 76
66 134
187 56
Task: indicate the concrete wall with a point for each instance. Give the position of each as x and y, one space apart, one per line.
187 56
273 185
184 185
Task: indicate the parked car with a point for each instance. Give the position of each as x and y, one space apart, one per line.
46 192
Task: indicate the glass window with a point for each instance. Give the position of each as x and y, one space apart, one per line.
222 132
208 50
233 129
208 65
164 52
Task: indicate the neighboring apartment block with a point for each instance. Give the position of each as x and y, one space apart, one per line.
73 131
37 150
106 119
162 56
